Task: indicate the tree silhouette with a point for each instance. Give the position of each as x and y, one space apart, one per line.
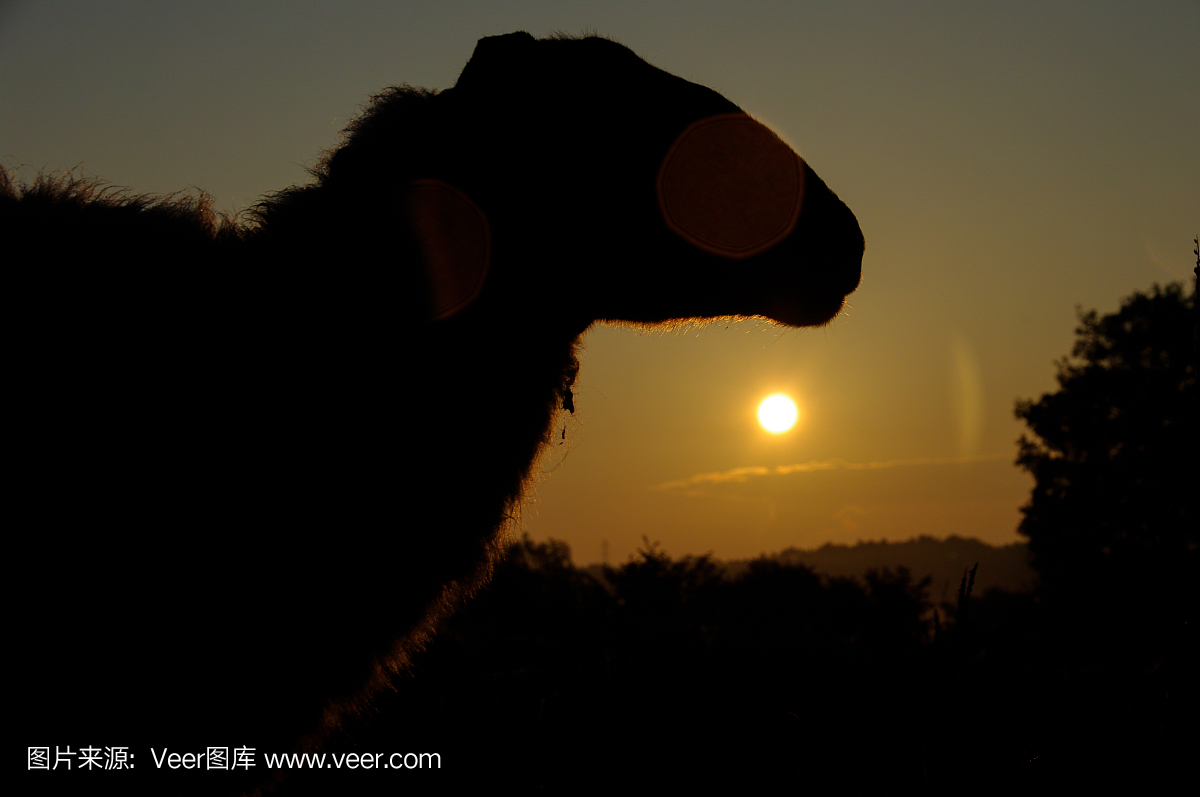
1112 519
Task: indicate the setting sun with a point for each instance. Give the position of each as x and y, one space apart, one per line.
777 413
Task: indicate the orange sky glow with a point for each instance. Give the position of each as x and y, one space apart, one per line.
1006 162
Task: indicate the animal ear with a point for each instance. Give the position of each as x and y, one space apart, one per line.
730 186
498 60
454 242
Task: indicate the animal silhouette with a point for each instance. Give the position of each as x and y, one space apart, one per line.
255 462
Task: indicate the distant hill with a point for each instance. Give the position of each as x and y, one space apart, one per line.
1006 567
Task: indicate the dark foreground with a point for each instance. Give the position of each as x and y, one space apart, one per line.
669 674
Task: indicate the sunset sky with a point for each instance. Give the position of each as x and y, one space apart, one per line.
1006 161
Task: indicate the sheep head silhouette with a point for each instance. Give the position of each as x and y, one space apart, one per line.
261 460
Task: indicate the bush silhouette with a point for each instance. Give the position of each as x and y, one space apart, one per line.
1112 522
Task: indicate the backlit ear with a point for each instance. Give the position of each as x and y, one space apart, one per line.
499 61
729 186
454 241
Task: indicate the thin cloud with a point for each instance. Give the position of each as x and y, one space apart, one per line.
740 475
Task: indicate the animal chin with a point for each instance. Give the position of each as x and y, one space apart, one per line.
814 309
807 315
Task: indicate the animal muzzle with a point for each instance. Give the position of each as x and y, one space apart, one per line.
730 187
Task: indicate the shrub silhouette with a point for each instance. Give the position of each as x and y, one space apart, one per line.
801 680
1114 454
666 670
1113 531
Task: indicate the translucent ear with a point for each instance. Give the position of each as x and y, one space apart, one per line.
455 243
729 186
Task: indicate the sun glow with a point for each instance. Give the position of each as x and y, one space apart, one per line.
777 413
